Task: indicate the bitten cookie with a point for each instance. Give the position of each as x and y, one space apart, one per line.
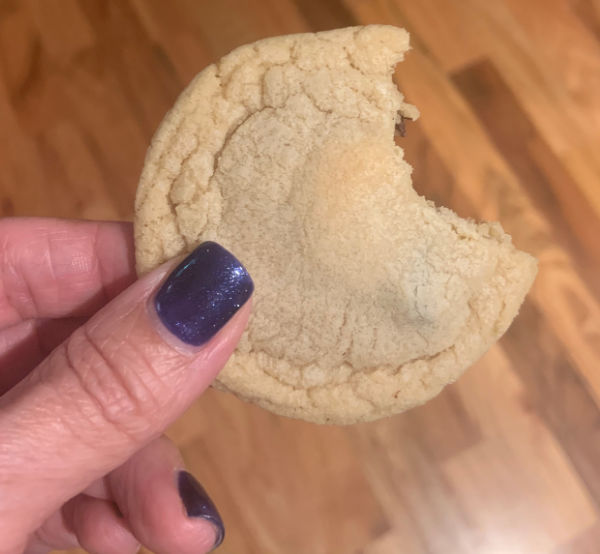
369 299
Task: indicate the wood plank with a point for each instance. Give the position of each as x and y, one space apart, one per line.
133 60
311 471
20 47
416 498
75 174
556 392
322 15
394 542
575 225
517 453
21 171
573 56
541 93
588 12
459 432
447 34
63 29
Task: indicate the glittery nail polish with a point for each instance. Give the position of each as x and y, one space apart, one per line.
202 294
197 503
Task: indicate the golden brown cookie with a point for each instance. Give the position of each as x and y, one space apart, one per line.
369 299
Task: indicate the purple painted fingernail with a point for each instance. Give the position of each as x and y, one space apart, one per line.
197 503
202 294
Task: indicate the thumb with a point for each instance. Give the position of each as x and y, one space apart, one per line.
117 382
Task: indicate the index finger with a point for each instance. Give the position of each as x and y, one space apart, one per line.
53 268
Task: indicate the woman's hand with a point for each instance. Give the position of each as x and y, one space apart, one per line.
93 367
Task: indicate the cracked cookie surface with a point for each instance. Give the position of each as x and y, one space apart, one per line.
368 298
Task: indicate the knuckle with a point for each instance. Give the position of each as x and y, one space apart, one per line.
118 385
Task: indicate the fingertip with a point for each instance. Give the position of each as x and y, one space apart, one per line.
167 509
199 506
214 536
202 294
225 339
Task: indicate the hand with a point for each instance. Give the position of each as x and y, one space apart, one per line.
93 367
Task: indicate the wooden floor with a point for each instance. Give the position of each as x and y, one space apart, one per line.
505 461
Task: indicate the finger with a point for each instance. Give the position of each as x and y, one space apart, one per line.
52 268
146 490
53 534
19 353
99 527
86 522
118 381
26 344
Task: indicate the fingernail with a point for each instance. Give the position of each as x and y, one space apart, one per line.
198 504
201 295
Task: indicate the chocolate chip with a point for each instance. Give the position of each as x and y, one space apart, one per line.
400 127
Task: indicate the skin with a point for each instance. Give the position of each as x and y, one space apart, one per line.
88 382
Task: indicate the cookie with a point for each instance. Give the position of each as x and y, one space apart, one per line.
369 299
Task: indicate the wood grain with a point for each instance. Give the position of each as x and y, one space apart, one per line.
542 177
507 459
